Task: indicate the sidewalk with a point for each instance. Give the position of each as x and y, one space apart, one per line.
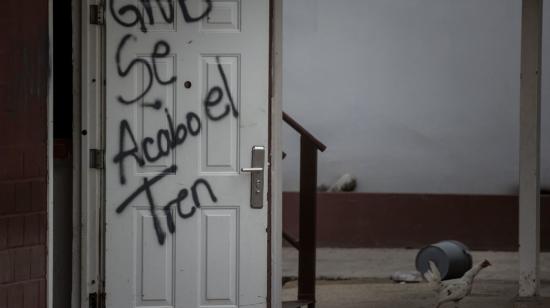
381 263
356 278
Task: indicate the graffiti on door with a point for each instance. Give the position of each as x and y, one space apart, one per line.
166 9
164 141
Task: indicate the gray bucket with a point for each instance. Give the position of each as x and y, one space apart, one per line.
451 258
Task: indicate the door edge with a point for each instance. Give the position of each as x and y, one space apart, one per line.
275 157
88 129
49 138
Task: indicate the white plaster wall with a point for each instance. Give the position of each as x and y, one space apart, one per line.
409 95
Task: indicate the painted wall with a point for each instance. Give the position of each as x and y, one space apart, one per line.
409 95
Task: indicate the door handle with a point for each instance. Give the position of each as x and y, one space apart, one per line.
252 169
256 171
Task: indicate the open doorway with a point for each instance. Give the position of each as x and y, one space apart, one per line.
419 102
63 95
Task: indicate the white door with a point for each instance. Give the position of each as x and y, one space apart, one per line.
186 101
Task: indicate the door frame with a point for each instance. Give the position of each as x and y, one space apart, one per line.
88 133
49 162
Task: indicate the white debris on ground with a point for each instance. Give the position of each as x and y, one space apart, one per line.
407 277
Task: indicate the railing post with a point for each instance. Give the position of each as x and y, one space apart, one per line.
308 220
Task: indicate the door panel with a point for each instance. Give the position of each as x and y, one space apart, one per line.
186 100
149 120
220 140
154 264
219 250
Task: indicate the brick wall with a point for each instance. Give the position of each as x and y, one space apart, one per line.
23 156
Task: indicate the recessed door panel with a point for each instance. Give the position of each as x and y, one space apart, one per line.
153 115
219 251
154 271
225 16
186 100
221 91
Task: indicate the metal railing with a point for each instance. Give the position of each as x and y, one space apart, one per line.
307 242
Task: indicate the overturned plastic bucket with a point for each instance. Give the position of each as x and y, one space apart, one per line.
452 258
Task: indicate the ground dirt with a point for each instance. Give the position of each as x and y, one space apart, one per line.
360 278
384 293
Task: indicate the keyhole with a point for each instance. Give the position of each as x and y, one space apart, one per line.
258 186
187 84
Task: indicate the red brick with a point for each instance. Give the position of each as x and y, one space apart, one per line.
17 128
44 232
36 110
39 132
31 292
4 75
6 267
6 122
15 296
42 303
23 101
38 262
3 297
23 195
11 164
3 233
21 260
39 196
14 123
35 162
15 231
7 198
4 89
33 228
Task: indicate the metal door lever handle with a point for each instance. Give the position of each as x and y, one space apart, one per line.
254 169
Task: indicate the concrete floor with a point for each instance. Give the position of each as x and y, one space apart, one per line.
354 278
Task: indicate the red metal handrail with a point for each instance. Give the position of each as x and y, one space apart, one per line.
303 132
306 244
